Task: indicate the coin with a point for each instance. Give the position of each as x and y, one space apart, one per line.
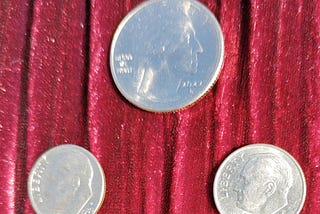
66 179
166 54
259 178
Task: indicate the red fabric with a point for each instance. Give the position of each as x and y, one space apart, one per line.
56 88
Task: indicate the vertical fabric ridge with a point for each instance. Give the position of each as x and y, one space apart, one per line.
171 123
21 172
13 82
288 100
126 165
179 160
243 109
208 158
141 132
154 162
210 123
311 68
230 86
85 79
135 162
129 152
263 42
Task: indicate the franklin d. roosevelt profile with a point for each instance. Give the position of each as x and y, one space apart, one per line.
264 183
66 183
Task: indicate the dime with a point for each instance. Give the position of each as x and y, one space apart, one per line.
166 54
259 178
66 179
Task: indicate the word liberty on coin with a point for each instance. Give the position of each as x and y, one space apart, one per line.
259 178
166 54
66 179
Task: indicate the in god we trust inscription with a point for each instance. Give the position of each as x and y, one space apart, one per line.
166 54
66 179
260 179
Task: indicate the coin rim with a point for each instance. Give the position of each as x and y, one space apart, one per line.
248 147
175 107
67 146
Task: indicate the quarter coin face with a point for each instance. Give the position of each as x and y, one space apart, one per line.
259 178
66 179
166 54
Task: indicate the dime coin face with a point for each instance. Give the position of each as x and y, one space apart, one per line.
166 54
259 178
66 179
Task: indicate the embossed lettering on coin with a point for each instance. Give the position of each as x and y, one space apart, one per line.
66 179
166 54
259 179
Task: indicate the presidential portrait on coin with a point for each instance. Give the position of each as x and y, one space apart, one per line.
66 183
264 183
165 55
169 53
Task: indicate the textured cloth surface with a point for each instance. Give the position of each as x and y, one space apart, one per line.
56 88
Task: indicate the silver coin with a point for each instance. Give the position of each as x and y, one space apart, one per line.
66 179
260 179
166 54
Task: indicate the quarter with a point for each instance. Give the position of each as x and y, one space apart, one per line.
166 54
259 178
66 179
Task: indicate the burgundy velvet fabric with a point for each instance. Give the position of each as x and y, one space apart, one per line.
56 88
